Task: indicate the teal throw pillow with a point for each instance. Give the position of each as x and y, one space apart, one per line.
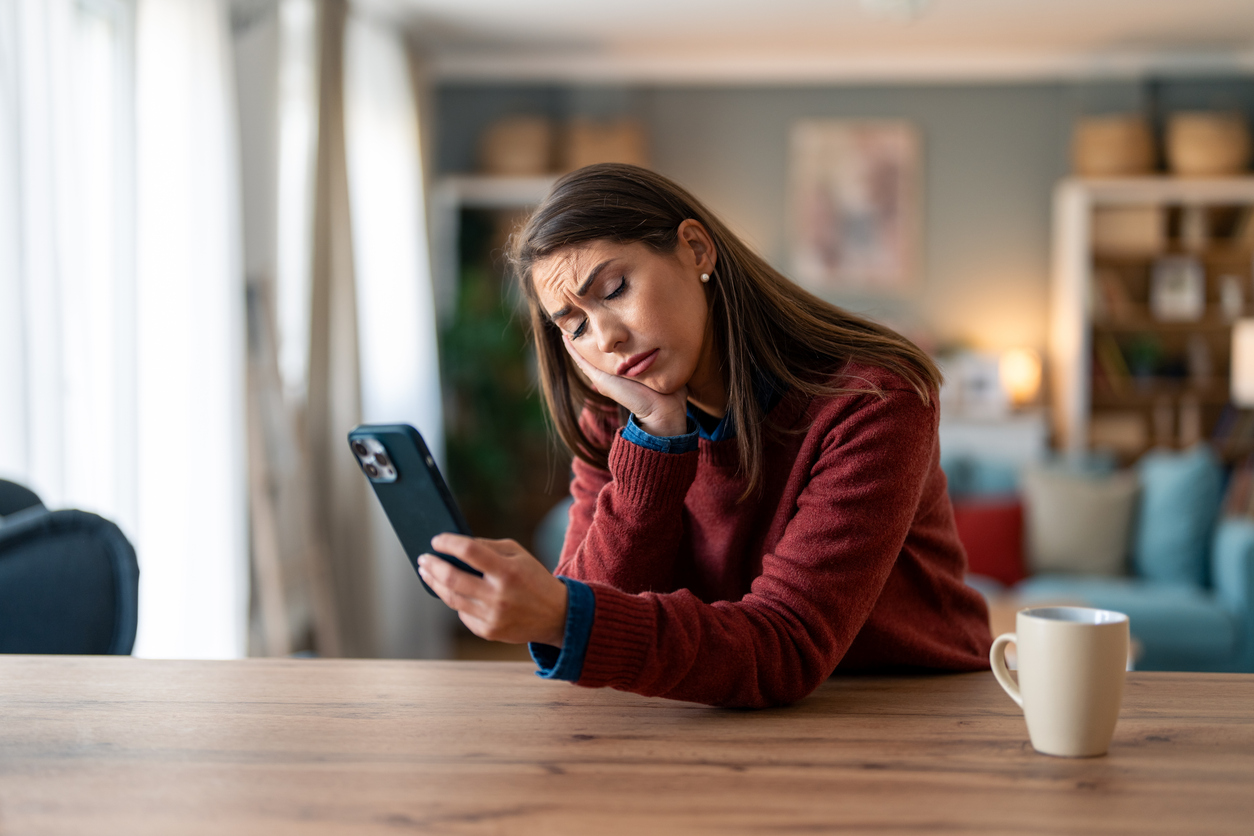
1180 495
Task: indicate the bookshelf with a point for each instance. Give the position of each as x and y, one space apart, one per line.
503 468
1149 276
454 192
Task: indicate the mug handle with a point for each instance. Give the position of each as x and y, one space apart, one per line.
997 658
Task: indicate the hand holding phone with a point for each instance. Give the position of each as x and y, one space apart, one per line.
514 598
411 490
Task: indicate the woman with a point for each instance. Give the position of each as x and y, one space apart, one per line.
758 499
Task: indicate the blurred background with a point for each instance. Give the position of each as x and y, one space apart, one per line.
230 231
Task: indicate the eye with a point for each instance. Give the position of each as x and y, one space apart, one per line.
618 291
578 332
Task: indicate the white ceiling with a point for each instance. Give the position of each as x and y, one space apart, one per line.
685 41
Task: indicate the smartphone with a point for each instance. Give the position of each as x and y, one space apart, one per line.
410 488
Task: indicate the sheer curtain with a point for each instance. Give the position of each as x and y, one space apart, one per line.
190 301
121 296
65 391
396 326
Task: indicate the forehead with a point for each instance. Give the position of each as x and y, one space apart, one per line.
562 272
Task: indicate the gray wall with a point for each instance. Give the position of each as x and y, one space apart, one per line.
992 154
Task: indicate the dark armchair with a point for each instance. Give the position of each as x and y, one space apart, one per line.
69 580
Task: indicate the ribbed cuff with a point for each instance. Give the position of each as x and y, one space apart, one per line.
566 662
622 633
649 478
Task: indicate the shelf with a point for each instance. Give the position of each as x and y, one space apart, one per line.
1132 325
453 193
1131 191
1223 252
1100 310
1141 397
470 191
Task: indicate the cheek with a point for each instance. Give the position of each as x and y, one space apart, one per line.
587 349
687 321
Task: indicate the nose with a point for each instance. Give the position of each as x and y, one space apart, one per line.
610 333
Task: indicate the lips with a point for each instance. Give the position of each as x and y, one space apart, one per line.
637 364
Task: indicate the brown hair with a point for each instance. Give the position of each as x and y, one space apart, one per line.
763 323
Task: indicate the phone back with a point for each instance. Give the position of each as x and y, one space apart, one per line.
408 484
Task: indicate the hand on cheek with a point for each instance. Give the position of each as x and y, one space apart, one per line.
515 601
655 412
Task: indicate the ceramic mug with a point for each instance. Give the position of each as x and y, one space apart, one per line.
1071 670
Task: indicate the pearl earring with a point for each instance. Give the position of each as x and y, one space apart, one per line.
705 277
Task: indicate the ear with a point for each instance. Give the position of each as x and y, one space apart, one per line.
696 247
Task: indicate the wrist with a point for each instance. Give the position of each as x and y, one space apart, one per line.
557 623
664 427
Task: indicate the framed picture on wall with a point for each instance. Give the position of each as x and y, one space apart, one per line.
854 204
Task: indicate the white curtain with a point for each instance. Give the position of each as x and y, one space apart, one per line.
396 329
65 394
121 297
296 176
193 510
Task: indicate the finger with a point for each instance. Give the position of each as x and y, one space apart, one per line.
463 605
445 592
476 625
471 550
587 370
506 547
433 583
631 394
451 543
463 583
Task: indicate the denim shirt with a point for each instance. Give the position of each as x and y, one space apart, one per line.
567 662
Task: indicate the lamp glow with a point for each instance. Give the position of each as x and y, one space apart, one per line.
1243 362
1020 372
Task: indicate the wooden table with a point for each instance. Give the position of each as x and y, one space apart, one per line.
125 746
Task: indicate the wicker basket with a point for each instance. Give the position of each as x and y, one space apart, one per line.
517 146
1112 146
1202 144
586 142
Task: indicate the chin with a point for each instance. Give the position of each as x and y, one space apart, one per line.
663 386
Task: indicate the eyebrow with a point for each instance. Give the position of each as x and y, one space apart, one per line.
583 289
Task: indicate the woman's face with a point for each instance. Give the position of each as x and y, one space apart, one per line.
633 312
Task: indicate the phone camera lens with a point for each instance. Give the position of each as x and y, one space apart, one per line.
360 449
372 471
381 459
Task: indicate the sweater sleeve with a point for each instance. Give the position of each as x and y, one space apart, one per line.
635 508
817 587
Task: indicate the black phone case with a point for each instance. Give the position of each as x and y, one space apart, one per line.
418 504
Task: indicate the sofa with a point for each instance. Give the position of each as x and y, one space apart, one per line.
1167 542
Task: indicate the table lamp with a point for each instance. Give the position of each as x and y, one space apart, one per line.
1020 373
1242 375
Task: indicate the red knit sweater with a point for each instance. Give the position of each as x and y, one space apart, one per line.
847 559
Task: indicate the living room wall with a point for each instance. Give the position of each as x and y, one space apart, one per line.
992 154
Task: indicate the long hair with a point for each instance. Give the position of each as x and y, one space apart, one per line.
763 323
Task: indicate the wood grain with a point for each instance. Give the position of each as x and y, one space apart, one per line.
117 745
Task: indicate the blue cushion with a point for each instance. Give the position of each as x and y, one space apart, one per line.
957 474
993 478
1179 627
1232 567
1180 495
969 476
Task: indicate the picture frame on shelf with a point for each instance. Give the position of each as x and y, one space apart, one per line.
1178 289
